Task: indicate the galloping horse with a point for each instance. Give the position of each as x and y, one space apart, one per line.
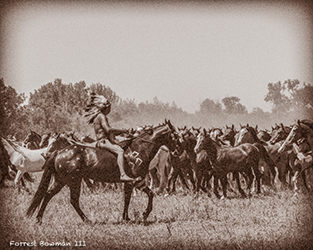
70 165
226 159
24 160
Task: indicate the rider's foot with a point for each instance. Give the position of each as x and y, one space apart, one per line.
124 177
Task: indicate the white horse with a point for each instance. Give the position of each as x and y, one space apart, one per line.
25 160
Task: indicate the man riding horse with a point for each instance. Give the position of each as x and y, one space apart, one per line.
97 111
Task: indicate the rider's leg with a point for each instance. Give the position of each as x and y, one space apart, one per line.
120 158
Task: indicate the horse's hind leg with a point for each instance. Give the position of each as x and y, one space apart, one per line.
57 186
75 193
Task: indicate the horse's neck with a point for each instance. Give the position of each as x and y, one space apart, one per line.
8 147
231 138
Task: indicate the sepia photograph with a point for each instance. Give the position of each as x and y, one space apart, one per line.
156 124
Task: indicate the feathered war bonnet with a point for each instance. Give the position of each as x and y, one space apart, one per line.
95 105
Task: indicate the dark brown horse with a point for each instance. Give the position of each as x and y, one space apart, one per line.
227 159
71 164
273 158
181 162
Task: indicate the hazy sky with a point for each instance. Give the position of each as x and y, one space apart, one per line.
175 52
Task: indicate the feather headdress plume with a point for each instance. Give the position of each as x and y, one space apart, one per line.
95 105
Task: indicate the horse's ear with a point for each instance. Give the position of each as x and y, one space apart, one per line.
256 127
272 128
283 127
227 126
240 126
204 131
232 126
299 123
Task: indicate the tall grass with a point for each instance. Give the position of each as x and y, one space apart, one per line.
279 220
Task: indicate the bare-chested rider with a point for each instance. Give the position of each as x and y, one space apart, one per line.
97 110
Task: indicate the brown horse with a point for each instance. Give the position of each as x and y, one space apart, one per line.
301 132
71 164
226 159
274 159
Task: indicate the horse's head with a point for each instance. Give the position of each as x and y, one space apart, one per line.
165 134
201 139
298 131
244 135
195 131
215 133
279 134
229 134
44 140
264 135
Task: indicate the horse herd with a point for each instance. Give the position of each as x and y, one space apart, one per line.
158 156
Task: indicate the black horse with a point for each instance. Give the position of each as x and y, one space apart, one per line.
71 164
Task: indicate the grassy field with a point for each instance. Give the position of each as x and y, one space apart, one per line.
269 221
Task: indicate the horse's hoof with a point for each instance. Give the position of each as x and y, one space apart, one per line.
39 220
89 222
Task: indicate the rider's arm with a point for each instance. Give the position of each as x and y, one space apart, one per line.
110 131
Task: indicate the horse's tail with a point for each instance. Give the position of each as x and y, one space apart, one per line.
44 184
266 157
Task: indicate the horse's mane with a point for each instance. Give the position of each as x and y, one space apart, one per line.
308 123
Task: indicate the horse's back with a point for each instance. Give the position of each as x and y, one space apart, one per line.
94 163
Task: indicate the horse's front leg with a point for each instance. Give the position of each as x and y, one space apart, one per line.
128 188
17 180
150 202
216 178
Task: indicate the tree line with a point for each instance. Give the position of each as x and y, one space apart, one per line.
58 107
